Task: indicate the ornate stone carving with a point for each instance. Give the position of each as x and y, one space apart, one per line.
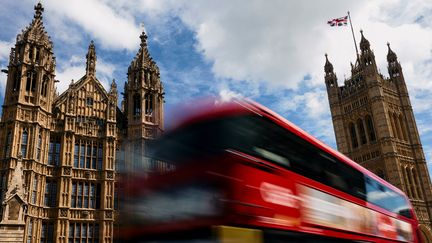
108 214
66 171
63 212
110 175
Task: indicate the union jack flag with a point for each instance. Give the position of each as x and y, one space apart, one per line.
342 21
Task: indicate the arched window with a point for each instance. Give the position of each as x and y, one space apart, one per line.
353 134
408 186
136 105
31 81
30 56
411 183
8 146
370 128
417 182
17 81
44 85
37 55
24 142
362 132
148 104
392 123
397 126
403 128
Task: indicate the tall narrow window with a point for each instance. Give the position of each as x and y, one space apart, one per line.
362 132
37 55
354 141
74 195
38 148
397 126
24 141
3 186
8 145
88 156
44 85
136 104
411 183
50 193
17 81
82 155
148 104
393 126
30 231
100 157
54 152
370 128
31 81
34 189
30 56
403 128
47 234
417 182
76 155
408 186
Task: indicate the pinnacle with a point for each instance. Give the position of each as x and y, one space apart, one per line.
38 11
143 38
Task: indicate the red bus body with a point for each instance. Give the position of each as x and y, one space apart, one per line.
242 191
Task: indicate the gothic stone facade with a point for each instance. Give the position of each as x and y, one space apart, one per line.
58 153
374 125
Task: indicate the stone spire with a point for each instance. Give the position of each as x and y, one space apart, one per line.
391 56
35 32
91 60
328 67
113 88
364 43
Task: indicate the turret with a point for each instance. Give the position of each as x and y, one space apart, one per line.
394 67
31 67
330 76
91 60
367 57
144 94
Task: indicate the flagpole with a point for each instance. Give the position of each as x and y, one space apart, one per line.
352 31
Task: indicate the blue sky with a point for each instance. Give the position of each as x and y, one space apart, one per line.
269 51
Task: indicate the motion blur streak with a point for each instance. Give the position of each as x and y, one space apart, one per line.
237 172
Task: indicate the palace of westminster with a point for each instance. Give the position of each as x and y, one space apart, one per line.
60 154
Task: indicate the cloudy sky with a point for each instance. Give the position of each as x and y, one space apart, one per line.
269 51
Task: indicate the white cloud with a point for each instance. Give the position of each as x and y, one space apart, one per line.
74 69
5 48
111 29
227 95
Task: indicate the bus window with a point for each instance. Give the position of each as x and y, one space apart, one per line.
386 198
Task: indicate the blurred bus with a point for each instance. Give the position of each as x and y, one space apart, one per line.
245 174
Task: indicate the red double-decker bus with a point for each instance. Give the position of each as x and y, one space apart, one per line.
242 173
